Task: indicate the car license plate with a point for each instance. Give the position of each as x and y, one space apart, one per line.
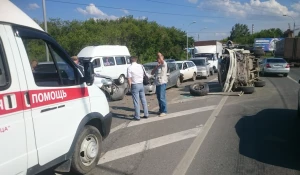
277 65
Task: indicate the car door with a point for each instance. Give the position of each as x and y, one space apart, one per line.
171 76
13 147
97 65
187 74
57 99
109 67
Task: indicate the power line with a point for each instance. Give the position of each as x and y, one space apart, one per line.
209 9
144 11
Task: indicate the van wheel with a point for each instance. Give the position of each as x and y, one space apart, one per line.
121 79
87 150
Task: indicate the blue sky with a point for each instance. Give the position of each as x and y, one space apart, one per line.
214 18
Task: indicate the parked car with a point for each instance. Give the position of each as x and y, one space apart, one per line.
203 66
274 66
173 76
108 60
188 69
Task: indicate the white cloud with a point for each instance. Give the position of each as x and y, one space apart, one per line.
193 1
254 9
125 11
296 6
96 13
33 6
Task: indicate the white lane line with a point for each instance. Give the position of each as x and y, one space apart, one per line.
186 161
121 126
168 116
293 79
149 144
172 115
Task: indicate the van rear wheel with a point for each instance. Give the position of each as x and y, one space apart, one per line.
87 150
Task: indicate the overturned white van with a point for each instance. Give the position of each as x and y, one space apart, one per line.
108 60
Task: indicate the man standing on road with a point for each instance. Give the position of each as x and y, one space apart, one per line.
135 74
161 80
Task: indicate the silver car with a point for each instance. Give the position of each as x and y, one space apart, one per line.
203 67
274 66
173 76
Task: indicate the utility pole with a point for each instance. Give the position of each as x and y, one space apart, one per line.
46 28
252 28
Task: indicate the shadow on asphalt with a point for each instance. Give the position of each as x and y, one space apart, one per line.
107 170
272 137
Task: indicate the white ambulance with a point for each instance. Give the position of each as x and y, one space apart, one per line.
50 114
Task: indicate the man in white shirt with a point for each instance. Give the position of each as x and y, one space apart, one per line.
135 74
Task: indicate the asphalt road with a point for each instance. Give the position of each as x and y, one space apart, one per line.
215 134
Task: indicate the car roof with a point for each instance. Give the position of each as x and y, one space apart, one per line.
18 17
198 58
151 63
43 63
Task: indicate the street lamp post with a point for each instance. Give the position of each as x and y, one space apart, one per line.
294 24
200 31
187 41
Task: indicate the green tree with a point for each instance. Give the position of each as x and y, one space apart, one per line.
238 31
299 34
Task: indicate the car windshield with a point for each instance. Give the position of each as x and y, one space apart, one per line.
208 55
200 62
149 67
179 65
276 61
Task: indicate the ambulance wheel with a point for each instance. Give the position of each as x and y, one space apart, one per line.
87 150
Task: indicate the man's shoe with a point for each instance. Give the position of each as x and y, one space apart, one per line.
162 114
145 117
136 119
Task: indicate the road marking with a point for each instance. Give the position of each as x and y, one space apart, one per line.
293 79
186 161
125 124
121 126
149 144
172 115
168 116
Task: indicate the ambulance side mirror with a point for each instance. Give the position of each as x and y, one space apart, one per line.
88 72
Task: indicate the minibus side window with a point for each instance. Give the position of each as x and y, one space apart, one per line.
4 73
120 60
96 63
108 61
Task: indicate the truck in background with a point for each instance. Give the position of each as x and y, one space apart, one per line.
289 49
212 49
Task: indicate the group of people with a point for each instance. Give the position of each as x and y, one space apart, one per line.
135 75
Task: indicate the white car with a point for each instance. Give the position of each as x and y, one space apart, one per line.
188 69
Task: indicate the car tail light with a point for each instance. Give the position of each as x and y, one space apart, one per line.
287 66
268 66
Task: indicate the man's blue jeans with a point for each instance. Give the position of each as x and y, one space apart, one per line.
138 92
161 97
